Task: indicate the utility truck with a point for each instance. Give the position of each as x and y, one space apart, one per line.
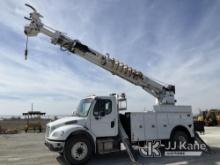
98 126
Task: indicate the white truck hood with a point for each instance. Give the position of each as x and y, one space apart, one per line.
63 121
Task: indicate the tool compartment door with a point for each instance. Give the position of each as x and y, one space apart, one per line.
164 129
150 126
137 127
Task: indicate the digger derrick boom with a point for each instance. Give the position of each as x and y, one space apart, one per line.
164 94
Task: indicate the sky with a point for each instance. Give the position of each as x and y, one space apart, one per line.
173 41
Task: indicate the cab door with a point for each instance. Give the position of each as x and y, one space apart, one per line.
104 117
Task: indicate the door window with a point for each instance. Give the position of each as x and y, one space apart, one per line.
103 107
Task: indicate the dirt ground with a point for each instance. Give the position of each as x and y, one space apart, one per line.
29 149
19 124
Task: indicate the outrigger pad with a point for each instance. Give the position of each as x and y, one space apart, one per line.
200 141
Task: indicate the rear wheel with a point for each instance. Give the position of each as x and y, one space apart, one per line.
78 150
179 137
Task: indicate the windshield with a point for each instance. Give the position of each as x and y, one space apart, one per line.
83 107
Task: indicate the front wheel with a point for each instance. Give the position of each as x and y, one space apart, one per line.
78 150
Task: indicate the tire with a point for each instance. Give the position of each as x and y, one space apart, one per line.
178 137
77 150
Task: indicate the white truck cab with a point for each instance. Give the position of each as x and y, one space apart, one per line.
89 118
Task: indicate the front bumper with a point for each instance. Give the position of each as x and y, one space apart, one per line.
56 146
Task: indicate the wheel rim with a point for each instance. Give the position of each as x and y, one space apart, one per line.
79 150
182 139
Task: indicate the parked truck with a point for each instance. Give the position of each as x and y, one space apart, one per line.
98 126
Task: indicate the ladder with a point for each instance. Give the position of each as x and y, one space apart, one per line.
127 143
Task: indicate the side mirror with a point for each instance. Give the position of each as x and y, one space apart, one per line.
102 113
74 113
96 113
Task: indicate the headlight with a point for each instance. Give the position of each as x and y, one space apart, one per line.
58 133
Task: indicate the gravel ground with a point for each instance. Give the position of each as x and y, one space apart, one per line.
29 149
